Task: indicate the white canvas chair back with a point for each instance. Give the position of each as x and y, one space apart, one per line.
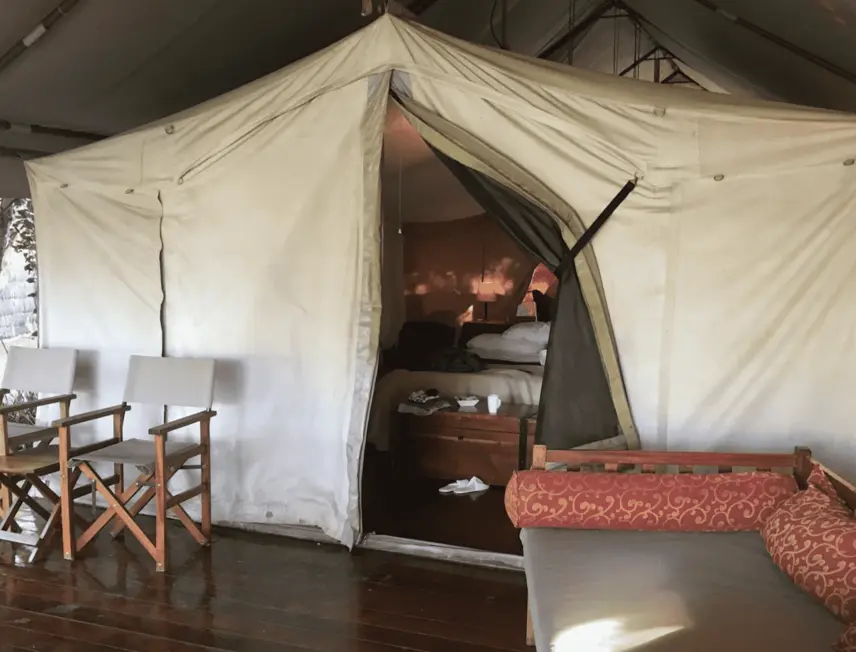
42 371
180 382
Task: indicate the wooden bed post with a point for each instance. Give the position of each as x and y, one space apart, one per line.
539 458
802 465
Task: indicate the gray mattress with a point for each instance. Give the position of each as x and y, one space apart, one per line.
666 592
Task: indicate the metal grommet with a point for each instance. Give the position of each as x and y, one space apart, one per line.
129 191
850 161
180 181
660 111
719 177
170 129
63 185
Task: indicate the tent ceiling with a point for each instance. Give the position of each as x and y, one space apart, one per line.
105 66
108 66
826 28
417 187
756 54
812 68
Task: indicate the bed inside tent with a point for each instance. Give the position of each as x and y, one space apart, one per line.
467 311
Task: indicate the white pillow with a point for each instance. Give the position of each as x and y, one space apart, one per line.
497 342
535 331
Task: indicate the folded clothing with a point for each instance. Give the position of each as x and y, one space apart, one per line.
424 403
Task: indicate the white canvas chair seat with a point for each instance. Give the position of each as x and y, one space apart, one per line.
153 381
21 434
133 452
40 459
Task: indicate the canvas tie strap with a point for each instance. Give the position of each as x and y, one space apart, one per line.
590 232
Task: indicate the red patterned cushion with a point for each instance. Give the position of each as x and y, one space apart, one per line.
812 538
818 478
727 502
847 642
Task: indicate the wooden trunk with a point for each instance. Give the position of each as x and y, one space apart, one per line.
461 443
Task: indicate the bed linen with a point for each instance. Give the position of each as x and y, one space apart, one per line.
517 386
516 357
667 592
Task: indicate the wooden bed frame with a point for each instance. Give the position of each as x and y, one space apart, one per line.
799 464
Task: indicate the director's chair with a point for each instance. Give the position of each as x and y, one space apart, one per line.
26 452
155 381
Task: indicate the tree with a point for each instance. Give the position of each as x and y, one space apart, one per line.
18 229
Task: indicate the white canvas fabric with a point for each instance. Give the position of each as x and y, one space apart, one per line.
724 282
99 284
156 380
44 371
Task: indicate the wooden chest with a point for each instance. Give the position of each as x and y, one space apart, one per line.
464 442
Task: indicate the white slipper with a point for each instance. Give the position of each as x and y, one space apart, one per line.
452 486
472 486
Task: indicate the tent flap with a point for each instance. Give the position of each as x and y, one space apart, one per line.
576 407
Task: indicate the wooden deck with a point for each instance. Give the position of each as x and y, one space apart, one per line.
255 593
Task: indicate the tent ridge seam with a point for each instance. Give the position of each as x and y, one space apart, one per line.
218 154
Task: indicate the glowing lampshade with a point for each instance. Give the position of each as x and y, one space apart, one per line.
486 292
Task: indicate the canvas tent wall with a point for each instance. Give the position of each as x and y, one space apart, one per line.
725 281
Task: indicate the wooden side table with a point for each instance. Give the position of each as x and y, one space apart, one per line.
463 442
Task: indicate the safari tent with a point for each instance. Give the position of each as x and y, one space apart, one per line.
712 309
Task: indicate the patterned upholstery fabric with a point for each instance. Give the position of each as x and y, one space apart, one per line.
728 502
817 478
847 642
812 538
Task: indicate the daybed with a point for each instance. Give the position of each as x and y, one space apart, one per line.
609 574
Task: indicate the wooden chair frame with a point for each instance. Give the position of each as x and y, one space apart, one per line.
35 459
121 504
799 464
8 444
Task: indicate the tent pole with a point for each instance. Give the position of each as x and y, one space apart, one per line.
639 61
57 14
778 40
578 29
504 26
759 31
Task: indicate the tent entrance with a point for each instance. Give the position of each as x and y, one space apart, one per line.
459 252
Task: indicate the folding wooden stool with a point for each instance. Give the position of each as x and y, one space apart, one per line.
26 452
161 382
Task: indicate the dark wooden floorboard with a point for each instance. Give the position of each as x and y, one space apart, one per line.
419 511
255 593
